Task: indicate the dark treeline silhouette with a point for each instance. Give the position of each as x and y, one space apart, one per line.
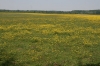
55 12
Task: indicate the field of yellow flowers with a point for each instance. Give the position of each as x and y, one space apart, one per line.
32 39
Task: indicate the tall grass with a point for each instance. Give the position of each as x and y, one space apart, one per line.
49 39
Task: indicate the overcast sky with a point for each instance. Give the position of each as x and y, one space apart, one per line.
62 5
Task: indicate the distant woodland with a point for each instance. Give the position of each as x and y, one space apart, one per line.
55 12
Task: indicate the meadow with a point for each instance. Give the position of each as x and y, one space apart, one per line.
36 39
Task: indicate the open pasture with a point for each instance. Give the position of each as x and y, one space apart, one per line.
29 39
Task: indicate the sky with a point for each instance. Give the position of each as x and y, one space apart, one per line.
58 5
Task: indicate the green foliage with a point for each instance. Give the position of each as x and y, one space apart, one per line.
55 12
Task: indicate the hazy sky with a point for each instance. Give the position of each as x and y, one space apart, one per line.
63 5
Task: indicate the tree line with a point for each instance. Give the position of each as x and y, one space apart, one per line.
55 12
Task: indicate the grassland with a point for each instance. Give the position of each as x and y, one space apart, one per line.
29 39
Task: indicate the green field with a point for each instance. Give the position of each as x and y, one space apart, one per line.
32 39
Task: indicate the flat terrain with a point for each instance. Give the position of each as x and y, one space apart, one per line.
29 39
